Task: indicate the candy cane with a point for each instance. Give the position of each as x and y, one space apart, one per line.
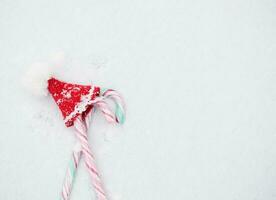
81 125
82 136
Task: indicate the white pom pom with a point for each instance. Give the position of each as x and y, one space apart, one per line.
36 78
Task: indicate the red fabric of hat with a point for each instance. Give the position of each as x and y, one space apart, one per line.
72 99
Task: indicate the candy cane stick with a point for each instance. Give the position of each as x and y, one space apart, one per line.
82 124
82 136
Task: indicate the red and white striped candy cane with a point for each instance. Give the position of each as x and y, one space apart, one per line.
82 135
81 125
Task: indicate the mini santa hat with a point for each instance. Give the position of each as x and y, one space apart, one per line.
72 99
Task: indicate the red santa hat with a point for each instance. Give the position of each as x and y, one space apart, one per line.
72 99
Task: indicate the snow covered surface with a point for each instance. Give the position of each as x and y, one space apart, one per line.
199 81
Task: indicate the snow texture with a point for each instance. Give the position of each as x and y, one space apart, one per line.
199 81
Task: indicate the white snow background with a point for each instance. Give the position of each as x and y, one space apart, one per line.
199 81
